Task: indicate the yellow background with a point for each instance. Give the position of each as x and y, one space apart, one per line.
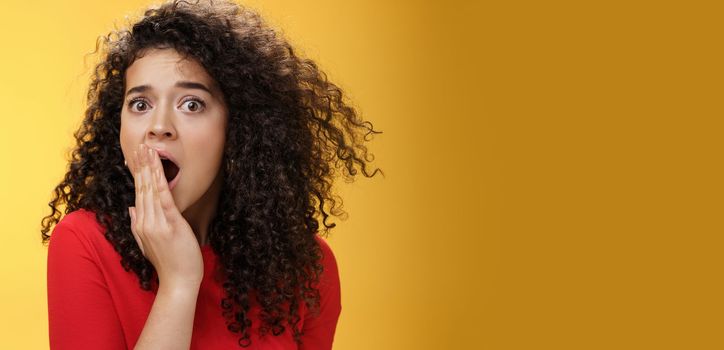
553 169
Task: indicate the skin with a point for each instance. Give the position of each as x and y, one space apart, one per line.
170 225
163 119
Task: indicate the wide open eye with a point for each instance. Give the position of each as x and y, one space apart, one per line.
138 105
194 105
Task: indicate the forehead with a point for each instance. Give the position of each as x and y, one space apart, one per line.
163 67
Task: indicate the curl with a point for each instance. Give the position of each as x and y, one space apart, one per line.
290 131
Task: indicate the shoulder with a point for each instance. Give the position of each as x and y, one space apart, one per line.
329 261
329 280
319 325
79 225
79 219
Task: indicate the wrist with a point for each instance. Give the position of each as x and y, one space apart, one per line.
179 289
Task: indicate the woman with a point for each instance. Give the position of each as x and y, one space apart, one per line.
206 157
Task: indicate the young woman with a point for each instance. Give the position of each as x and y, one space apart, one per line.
191 203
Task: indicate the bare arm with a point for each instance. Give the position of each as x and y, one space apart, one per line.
170 323
168 242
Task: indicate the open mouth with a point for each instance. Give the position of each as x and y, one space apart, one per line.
170 169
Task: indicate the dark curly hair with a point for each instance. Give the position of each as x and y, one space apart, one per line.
289 132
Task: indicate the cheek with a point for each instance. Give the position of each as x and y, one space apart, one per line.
208 140
129 139
205 153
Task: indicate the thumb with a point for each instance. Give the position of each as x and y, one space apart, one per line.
132 213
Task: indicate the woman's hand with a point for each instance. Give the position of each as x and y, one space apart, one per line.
162 233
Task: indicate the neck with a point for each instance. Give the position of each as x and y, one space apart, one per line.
200 214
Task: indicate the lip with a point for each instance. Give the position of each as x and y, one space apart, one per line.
165 154
173 182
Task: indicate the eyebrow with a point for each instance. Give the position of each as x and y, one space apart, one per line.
182 84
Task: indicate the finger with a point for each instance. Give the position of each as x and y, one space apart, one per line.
158 211
148 194
138 211
132 213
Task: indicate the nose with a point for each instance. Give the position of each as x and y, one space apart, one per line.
162 125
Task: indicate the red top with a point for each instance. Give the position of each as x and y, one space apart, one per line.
93 303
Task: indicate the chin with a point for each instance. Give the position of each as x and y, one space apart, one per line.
180 204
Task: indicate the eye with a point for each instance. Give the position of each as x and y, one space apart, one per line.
194 104
138 102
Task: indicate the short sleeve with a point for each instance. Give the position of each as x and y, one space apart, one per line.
81 314
318 331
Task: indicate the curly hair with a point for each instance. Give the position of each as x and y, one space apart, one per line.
289 133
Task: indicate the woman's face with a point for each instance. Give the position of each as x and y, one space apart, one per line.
173 105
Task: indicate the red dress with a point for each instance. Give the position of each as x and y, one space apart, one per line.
93 303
